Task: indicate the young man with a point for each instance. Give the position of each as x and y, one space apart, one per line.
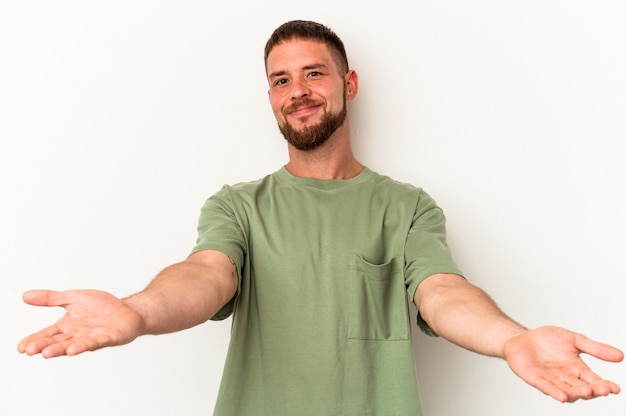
315 262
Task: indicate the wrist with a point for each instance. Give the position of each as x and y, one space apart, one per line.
135 303
507 336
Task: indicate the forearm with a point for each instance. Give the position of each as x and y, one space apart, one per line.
465 315
184 295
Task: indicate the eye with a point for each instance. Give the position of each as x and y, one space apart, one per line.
314 74
280 81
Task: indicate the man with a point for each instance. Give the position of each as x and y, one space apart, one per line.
315 262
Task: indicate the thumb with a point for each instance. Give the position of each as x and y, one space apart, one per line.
599 350
44 298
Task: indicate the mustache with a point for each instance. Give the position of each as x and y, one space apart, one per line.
302 102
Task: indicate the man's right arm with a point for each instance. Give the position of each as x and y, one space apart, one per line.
187 293
181 296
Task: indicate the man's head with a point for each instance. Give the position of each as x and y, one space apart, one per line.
309 81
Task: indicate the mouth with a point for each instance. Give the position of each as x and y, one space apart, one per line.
302 109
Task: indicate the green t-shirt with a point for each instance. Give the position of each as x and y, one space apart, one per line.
326 267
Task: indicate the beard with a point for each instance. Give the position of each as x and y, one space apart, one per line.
311 137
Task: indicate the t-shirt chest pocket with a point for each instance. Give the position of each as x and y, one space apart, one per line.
378 304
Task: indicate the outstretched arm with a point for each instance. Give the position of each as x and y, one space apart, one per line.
181 296
547 358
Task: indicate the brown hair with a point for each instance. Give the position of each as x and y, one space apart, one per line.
304 29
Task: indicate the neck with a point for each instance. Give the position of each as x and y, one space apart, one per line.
332 160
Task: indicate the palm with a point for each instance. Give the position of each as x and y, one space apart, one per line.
548 358
93 320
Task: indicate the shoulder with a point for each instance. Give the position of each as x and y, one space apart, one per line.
243 197
247 188
402 191
394 185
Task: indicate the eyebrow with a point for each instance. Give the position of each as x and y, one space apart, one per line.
305 68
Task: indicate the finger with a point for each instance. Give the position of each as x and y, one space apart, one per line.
44 298
55 350
600 387
550 389
62 345
90 343
75 346
599 350
564 391
36 343
587 391
604 388
586 386
30 342
575 388
569 388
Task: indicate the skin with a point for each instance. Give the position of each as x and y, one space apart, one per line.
183 295
306 69
188 293
547 358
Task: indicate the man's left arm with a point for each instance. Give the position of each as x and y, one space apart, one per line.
547 358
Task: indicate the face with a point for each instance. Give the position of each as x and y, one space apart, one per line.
307 93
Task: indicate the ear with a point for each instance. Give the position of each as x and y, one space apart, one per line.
352 84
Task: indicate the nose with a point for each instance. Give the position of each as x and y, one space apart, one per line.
299 89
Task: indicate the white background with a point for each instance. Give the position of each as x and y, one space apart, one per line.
119 118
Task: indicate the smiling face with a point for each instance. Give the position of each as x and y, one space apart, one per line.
307 92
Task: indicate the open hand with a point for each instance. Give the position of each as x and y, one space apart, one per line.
548 358
93 320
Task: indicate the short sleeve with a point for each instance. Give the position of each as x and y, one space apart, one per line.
426 251
219 229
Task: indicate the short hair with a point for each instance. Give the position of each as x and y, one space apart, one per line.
305 29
